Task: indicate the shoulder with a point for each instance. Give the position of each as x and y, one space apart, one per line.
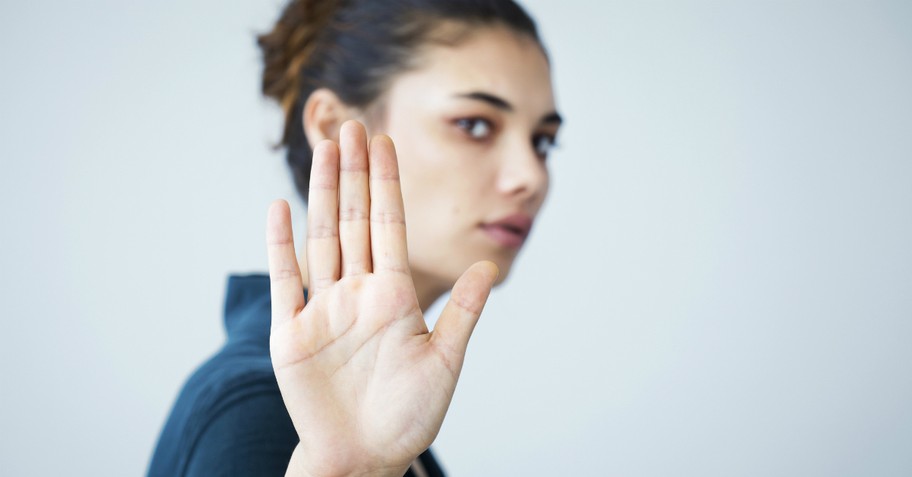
228 417
251 435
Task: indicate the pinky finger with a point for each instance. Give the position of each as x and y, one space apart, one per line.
286 288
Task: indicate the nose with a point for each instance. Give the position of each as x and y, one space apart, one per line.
523 173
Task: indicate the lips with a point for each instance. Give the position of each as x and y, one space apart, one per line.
510 231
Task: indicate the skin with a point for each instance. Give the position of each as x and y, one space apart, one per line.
452 181
365 382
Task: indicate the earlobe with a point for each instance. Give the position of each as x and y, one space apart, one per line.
324 114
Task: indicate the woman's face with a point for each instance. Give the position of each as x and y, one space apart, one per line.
472 127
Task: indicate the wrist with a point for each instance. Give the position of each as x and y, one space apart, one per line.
302 466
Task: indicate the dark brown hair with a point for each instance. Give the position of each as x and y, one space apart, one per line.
355 48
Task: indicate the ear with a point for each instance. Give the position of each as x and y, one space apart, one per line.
324 114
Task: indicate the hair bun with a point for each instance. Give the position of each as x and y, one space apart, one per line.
288 47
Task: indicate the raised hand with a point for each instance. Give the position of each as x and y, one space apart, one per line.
366 384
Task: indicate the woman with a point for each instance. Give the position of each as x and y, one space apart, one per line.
356 384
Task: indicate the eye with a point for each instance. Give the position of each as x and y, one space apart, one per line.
476 128
543 144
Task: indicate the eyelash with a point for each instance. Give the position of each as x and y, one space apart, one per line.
468 125
552 143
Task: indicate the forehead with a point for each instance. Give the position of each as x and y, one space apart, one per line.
493 60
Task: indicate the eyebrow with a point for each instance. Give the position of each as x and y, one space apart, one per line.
502 104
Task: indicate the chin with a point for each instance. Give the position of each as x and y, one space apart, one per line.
500 279
504 266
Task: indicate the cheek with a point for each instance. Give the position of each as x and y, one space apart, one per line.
547 186
424 187
427 171
445 184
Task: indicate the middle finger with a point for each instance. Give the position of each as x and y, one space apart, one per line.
354 200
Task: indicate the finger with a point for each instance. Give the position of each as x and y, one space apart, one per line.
457 321
354 200
387 214
323 218
284 275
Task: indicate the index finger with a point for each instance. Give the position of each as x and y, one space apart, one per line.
285 286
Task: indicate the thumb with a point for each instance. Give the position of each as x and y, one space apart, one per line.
457 321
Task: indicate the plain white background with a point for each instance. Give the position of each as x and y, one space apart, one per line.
720 284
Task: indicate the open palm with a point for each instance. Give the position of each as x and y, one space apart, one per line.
364 381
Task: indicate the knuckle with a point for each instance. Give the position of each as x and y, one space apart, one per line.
283 273
280 240
352 214
322 231
387 217
383 176
356 266
353 164
391 265
322 282
468 306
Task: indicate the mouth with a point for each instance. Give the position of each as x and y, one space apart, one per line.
509 232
